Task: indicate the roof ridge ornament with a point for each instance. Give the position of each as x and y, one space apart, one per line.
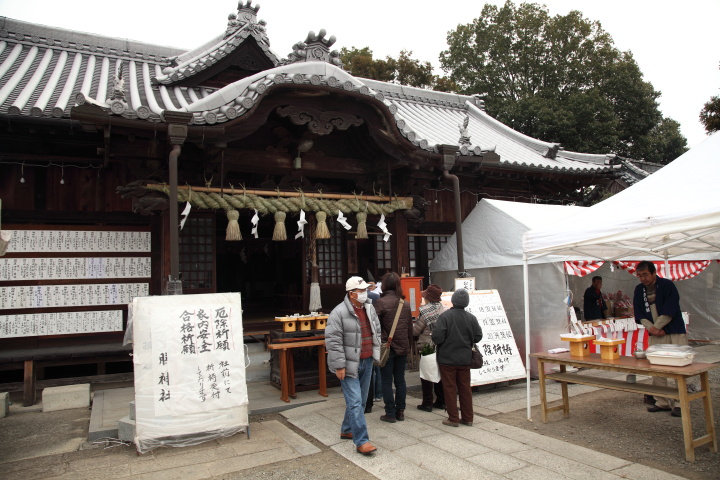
464 135
315 48
246 14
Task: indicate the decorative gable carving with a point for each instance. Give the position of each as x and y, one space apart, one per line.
319 122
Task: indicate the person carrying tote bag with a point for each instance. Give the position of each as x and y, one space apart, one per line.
393 372
430 380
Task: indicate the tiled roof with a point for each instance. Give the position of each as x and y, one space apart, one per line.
45 71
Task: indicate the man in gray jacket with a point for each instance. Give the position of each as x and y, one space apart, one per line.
352 340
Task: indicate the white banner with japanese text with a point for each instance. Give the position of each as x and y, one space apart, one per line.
189 369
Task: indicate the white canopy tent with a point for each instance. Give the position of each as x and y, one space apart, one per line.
493 254
672 214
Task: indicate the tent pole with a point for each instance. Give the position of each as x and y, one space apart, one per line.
667 266
526 293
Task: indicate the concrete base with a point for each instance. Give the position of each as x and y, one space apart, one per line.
4 404
126 429
66 397
109 406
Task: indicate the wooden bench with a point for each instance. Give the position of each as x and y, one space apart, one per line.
29 360
630 365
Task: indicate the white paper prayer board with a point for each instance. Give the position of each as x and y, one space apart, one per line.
189 369
468 283
501 358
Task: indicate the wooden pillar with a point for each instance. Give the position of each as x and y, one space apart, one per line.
399 244
29 384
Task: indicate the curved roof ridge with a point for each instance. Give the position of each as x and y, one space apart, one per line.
533 143
417 94
232 92
601 158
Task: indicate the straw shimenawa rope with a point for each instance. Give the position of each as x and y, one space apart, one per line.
280 206
266 206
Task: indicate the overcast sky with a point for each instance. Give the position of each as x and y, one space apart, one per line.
675 43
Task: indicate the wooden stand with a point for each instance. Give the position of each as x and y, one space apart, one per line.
287 366
579 346
630 365
609 348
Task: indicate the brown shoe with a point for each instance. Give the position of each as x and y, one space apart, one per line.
346 436
388 418
449 423
400 415
367 448
469 424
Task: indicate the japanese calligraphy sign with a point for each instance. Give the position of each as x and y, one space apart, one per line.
501 358
190 366
468 283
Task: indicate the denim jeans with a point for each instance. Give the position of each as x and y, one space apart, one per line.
355 391
394 369
377 379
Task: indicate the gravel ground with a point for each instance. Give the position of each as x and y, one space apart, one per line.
623 428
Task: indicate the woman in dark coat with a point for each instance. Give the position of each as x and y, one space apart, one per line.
394 370
455 332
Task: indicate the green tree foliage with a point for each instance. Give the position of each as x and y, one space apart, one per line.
403 70
710 115
559 79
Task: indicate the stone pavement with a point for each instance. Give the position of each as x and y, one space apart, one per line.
420 447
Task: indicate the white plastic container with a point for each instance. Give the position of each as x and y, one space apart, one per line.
670 354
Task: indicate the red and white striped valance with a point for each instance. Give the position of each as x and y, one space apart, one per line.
679 270
581 267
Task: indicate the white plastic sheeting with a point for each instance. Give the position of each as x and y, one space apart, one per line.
189 369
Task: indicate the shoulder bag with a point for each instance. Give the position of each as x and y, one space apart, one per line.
477 359
385 347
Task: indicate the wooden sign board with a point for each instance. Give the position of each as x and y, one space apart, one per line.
501 358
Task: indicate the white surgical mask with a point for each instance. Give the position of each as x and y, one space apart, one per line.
361 297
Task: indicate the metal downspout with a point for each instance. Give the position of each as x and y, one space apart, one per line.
174 230
449 156
458 222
